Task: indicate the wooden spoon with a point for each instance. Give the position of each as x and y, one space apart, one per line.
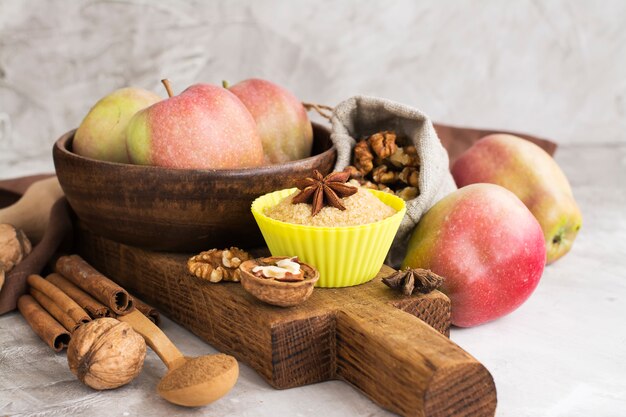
191 382
32 211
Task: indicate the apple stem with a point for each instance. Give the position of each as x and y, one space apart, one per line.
168 87
225 84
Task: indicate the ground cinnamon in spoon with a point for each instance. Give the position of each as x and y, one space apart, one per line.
196 371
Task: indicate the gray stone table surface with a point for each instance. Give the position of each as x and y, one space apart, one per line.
562 354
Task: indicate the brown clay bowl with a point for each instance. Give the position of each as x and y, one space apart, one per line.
282 294
176 210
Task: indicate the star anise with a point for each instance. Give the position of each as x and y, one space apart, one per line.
320 190
410 281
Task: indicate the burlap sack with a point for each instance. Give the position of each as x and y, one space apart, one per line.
362 116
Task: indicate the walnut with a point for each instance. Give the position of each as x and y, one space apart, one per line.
405 157
217 265
370 185
14 246
106 353
407 193
382 175
378 161
354 173
410 150
383 143
387 161
410 176
363 157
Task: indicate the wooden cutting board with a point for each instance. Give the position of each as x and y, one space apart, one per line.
392 347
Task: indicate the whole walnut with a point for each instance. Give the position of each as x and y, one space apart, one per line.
106 353
14 246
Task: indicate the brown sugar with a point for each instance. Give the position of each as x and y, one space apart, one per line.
361 208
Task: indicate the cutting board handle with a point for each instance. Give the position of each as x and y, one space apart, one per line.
406 366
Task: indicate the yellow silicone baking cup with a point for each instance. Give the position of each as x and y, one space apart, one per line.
344 256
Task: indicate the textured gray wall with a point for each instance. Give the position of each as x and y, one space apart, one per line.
554 68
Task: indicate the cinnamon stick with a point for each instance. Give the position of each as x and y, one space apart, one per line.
61 299
148 311
46 327
54 310
79 272
95 308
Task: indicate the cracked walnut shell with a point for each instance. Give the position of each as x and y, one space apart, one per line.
217 265
106 353
278 293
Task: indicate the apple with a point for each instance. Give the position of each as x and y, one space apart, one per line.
487 245
281 119
102 133
534 176
204 127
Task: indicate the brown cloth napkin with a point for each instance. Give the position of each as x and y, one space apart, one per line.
58 232
455 139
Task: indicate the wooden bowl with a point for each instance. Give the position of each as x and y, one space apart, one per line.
282 294
177 210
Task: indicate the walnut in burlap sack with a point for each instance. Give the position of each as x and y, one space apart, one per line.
362 116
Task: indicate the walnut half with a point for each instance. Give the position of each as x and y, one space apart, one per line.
384 143
217 265
410 176
405 157
382 175
363 157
